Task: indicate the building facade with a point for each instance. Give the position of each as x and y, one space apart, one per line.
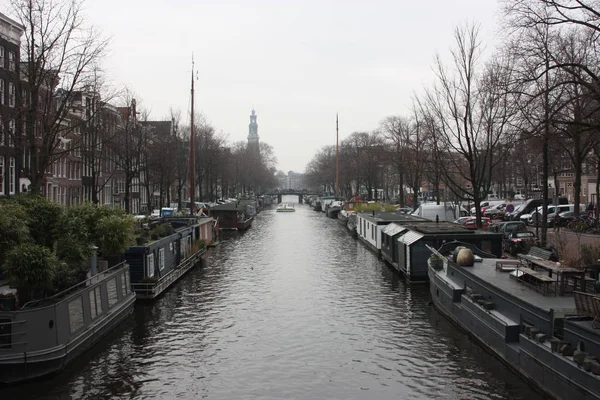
10 121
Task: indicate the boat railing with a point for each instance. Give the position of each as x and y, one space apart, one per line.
62 318
78 286
148 289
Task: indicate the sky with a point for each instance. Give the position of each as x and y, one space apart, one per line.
298 63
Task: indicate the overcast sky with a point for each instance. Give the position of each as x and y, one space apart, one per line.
297 62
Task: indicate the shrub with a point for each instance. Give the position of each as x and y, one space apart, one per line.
43 218
30 266
589 254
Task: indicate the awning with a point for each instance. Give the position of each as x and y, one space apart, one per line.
410 237
393 229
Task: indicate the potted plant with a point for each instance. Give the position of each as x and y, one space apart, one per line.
435 262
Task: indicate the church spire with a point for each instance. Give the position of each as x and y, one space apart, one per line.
253 130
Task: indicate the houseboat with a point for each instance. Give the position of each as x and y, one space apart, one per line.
326 201
333 209
403 245
369 225
43 336
175 248
237 216
524 318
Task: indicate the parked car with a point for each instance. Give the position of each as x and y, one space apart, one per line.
508 228
495 211
529 206
461 220
536 217
518 242
471 223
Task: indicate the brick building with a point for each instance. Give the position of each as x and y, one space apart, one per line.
10 124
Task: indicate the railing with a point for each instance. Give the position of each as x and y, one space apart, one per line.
150 290
91 280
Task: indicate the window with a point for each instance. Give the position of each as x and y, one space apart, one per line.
95 302
11 175
2 175
12 131
5 332
24 98
161 259
150 265
1 91
76 314
12 61
111 291
1 57
11 94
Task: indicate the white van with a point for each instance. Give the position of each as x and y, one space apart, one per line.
536 216
448 212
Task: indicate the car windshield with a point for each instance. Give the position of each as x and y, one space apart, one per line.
519 207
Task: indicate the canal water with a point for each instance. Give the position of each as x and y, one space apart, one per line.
294 308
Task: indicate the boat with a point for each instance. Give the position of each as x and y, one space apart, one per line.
157 265
333 209
548 338
44 336
236 216
284 207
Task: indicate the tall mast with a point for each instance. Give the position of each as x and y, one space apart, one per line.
192 152
337 160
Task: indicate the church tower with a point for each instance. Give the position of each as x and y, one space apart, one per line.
253 131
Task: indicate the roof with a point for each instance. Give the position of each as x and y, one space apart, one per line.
393 229
410 237
233 206
432 228
382 217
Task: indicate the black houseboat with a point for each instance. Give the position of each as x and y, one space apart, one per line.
404 245
158 264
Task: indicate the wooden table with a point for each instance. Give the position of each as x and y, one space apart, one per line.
540 279
561 274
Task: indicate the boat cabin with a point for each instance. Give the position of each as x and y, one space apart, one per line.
411 245
163 254
369 225
234 216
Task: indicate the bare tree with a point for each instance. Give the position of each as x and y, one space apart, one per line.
396 131
61 54
472 107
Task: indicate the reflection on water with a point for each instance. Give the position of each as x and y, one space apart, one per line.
292 308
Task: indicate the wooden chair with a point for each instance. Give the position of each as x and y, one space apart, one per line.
588 305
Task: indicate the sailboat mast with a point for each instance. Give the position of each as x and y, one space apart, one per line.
337 160
192 151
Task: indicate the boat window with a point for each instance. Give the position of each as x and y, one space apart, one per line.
111 288
161 259
5 333
127 283
93 304
150 265
123 284
76 314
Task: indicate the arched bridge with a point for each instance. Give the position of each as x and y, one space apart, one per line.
288 192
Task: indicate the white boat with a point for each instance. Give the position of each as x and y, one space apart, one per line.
284 207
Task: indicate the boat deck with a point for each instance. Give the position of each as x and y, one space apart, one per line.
486 271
